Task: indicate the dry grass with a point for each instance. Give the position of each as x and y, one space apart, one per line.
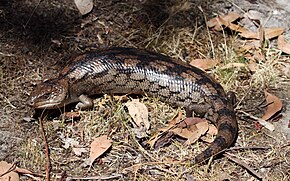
179 32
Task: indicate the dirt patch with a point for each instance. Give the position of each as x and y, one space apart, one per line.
37 38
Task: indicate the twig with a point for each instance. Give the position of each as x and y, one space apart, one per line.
249 148
208 32
35 178
33 11
95 177
7 54
261 121
48 165
245 165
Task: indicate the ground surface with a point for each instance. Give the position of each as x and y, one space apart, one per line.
37 38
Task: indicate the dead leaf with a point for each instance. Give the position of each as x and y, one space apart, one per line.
249 34
153 139
252 66
202 128
274 106
99 146
139 112
184 132
177 119
273 32
231 26
121 98
204 64
248 45
7 172
233 65
190 121
163 140
193 131
212 130
230 17
70 115
269 33
209 137
172 123
283 44
84 6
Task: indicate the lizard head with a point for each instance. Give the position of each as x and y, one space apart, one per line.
49 95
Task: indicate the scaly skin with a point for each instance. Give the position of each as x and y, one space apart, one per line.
129 70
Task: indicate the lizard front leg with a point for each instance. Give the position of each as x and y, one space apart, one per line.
85 103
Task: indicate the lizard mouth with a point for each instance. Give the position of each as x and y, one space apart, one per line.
47 105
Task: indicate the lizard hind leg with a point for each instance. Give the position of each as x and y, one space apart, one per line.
199 109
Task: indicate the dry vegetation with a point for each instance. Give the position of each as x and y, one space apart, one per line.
37 38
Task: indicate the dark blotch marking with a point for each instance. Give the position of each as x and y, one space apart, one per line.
220 141
226 112
207 153
227 127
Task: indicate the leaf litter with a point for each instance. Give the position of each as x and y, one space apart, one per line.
191 129
98 147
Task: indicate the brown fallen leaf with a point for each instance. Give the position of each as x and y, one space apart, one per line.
202 128
161 131
274 106
7 172
175 120
139 113
190 121
121 98
189 128
163 140
70 115
193 131
230 17
249 34
84 6
204 64
273 32
283 45
184 132
231 26
233 65
252 65
153 139
209 137
250 45
269 33
99 146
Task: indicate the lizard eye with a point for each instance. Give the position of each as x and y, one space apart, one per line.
46 96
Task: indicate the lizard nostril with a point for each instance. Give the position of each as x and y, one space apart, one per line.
29 102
